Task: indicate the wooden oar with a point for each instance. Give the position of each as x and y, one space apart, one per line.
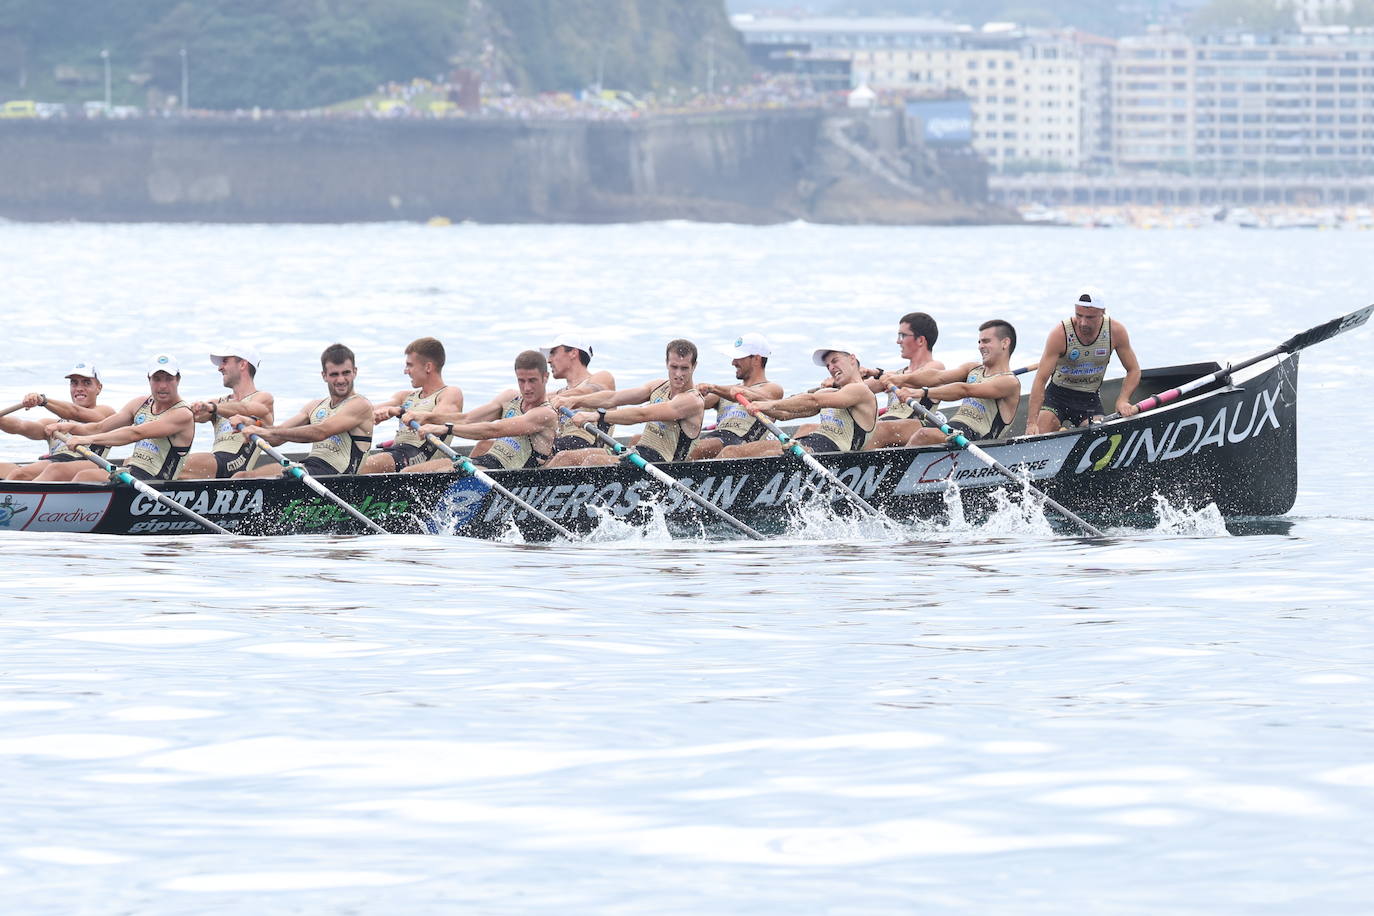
960 440
464 464
633 457
1292 345
298 472
9 410
806 457
125 477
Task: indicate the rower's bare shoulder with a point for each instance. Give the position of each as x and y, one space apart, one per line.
599 381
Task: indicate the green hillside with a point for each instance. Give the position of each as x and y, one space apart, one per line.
311 53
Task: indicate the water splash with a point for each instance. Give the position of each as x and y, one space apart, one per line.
611 527
1186 521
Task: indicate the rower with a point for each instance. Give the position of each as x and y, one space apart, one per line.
231 451
1067 388
916 336
569 356
61 463
672 409
734 425
338 427
516 428
847 410
160 426
425 366
988 391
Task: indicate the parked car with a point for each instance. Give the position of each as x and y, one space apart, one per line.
23 108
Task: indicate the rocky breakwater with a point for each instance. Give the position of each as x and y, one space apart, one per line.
729 166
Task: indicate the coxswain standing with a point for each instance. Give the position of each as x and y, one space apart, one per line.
425 366
231 451
846 412
161 428
671 412
515 429
1067 388
338 427
61 463
734 425
988 392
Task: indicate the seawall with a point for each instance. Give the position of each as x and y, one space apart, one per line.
731 166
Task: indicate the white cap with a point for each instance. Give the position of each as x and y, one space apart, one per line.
245 352
572 339
85 370
164 363
1091 296
748 345
818 356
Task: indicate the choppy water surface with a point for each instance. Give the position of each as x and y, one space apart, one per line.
849 720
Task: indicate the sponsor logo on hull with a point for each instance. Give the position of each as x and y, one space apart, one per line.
317 512
1231 425
73 512
933 471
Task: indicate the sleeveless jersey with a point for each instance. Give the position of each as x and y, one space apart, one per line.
981 415
230 440
342 451
522 451
731 417
667 437
839 426
56 448
158 458
413 402
569 430
1083 365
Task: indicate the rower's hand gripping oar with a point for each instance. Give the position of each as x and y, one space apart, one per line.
806 457
1292 345
962 442
1022 371
298 472
464 464
638 460
124 476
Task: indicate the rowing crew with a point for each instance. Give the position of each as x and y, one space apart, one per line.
522 426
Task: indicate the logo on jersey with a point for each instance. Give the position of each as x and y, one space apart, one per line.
1075 353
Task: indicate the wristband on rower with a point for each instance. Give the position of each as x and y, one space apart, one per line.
601 418
449 427
42 400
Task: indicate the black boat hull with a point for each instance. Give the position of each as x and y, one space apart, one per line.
1233 445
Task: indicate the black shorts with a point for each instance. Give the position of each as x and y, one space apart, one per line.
227 464
650 454
64 456
407 456
964 429
140 474
725 436
818 444
1072 407
488 461
573 443
318 467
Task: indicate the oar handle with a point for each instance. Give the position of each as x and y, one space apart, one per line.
464 464
9 410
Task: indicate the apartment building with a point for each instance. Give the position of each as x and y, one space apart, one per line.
1239 103
1039 99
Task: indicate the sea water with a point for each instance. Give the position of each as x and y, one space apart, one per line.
857 717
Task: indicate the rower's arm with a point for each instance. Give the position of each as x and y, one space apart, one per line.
609 398
174 422
927 376
527 424
685 405
259 404
999 387
1055 345
122 417
450 400
355 413
391 407
29 429
1126 353
73 412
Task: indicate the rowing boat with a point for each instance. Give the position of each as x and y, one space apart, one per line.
1229 444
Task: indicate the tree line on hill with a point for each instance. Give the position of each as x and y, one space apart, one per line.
292 54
